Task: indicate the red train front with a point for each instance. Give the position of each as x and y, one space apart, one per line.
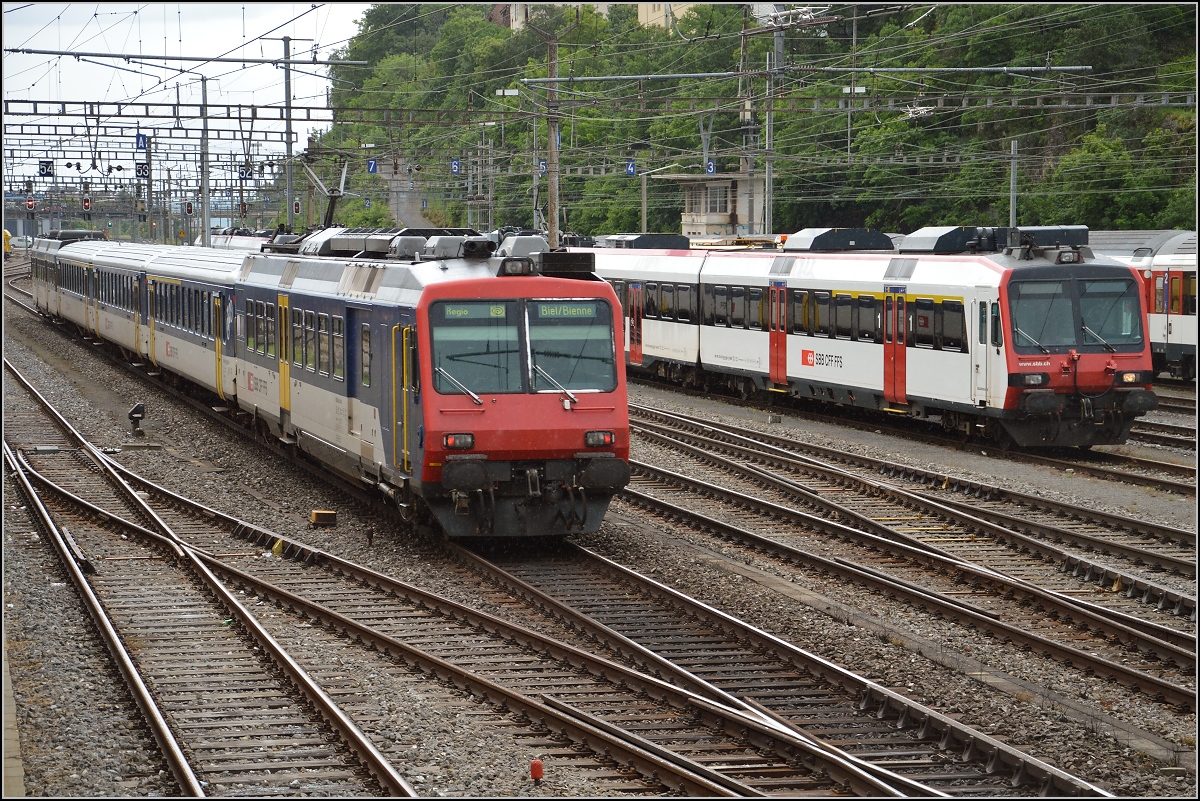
523 416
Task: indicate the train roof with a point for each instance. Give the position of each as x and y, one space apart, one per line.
168 261
1138 244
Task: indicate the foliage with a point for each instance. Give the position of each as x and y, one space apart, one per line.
926 159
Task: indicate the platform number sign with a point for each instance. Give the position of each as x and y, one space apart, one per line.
142 169
455 167
140 142
542 166
367 202
372 166
45 169
630 168
710 167
246 173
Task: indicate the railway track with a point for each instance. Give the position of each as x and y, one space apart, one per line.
933 541
232 710
1075 538
641 734
1131 469
1167 434
795 688
726 750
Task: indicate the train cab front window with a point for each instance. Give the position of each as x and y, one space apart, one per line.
476 346
571 345
1097 314
1110 313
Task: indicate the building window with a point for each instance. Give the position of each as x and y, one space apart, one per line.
718 200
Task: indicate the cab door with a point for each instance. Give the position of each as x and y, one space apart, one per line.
894 345
980 353
635 323
777 327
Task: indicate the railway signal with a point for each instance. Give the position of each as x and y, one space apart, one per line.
187 208
29 203
245 208
87 204
296 207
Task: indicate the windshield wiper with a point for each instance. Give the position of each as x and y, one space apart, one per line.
557 385
1041 347
1099 339
459 384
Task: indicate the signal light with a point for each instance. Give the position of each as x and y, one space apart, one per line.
87 204
29 203
599 439
187 208
459 442
244 208
296 207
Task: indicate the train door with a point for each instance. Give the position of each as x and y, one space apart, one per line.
979 348
405 386
777 326
894 354
283 328
91 301
635 323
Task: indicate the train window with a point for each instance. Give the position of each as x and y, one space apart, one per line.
707 305
339 349
176 305
1160 305
954 326
667 303
619 288
684 303
821 307
571 345
923 327
251 327
1110 313
868 319
1189 295
208 315
260 321
297 337
799 322
843 316
650 301
737 307
1042 316
997 330
754 309
365 345
476 347
1176 302
983 323
901 320
323 344
270 337
310 341
720 305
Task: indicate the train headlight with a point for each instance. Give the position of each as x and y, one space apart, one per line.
516 266
599 439
1028 379
1131 378
459 442
1069 257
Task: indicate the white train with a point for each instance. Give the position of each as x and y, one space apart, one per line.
1022 336
1166 262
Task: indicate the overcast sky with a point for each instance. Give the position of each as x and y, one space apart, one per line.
249 30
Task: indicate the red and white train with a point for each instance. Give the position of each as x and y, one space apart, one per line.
1166 262
480 390
1022 336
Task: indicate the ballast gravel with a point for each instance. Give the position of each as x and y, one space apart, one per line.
80 735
